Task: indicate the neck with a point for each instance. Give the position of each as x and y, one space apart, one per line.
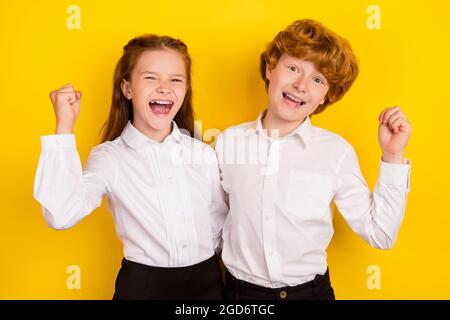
156 135
277 127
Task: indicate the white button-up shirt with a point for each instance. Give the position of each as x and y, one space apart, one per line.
280 193
165 198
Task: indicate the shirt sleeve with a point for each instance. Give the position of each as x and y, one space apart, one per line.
67 193
376 217
218 205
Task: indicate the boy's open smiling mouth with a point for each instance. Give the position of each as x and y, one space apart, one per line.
161 107
292 100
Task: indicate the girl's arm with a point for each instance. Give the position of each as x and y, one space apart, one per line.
219 203
65 192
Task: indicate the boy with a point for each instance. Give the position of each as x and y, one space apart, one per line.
281 173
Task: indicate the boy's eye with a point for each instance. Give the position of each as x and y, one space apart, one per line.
318 80
292 68
150 78
177 80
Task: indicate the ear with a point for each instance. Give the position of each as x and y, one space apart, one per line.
268 71
126 89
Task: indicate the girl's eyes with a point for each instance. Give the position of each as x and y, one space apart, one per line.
171 80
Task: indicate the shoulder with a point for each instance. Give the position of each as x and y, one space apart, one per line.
106 152
236 132
336 148
108 147
197 148
331 144
329 139
239 129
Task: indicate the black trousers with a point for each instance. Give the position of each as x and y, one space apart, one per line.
202 281
317 289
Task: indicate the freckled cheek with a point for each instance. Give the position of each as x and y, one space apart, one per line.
320 94
324 95
272 96
283 81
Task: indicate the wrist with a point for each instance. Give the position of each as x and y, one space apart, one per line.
62 128
393 158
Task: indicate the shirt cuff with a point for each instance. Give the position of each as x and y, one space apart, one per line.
54 141
395 174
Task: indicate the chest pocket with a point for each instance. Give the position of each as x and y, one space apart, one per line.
308 195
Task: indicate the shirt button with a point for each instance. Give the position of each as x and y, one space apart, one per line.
267 217
178 213
170 176
283 294
184 246
270 254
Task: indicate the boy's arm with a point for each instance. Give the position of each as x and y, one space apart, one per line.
393 134
376 217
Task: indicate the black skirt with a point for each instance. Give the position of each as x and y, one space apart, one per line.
202 281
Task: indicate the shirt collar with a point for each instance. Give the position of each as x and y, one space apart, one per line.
136 139
304 131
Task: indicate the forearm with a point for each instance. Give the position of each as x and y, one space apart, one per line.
59 184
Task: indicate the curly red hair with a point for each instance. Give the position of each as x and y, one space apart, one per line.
310 40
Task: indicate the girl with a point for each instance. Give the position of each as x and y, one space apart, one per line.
168 211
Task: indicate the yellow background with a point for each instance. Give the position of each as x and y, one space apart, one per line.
405 63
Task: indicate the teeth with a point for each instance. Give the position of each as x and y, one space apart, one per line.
294 98
161 102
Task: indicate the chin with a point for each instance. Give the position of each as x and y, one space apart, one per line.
286 114
159 124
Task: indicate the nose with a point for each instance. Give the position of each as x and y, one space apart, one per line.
164 86
300 84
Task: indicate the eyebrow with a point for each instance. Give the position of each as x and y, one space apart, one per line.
172 75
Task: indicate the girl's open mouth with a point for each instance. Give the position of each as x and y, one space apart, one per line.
161 107
293 100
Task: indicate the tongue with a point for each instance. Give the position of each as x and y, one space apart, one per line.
158 109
